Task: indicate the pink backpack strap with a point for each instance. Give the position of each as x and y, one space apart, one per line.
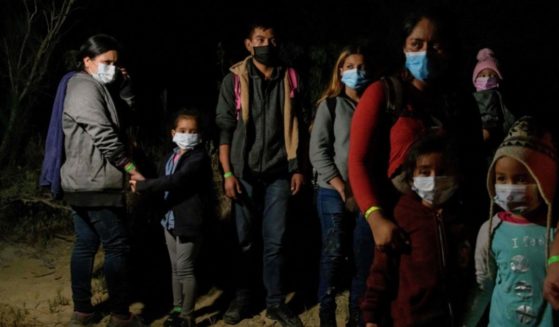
293 81
237 92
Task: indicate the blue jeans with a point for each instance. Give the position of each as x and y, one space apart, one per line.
262 209
342 232
95 226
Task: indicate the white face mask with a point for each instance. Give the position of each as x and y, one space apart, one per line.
517 198
435 190
105 73
186 140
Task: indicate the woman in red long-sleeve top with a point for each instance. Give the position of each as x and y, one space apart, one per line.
380 140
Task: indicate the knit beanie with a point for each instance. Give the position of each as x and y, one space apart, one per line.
532 145
486 59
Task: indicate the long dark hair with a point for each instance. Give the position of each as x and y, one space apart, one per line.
442 18
439 16
94 46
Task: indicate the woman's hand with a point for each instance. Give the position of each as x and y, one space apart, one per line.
132 185
232 187
386 233
339 185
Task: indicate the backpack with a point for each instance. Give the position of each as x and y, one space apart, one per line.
293 86
394 94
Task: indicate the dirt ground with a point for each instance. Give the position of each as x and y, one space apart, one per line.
35 290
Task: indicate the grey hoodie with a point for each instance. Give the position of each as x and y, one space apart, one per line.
92 145
329 144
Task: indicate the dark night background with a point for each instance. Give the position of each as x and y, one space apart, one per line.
185 47
180 51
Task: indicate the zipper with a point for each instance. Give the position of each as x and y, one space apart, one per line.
442 240
263 126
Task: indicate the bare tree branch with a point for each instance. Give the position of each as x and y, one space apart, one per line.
38 69
28 49
30 17
9 62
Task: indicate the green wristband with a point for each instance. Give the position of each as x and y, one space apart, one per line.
227 174
553 259
129 167
371 210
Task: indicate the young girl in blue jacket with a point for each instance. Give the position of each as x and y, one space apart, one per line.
184 183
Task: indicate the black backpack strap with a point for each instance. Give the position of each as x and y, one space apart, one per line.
394 94
331 104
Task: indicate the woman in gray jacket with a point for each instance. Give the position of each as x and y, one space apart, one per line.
340 223
93 180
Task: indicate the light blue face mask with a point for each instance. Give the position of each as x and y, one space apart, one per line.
355 78
417 63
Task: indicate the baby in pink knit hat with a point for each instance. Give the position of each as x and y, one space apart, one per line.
486 73
495 117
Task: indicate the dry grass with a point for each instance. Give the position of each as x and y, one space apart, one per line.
12 316
59 301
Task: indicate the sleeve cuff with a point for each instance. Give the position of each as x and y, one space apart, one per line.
141 185
293 166
122 162
225 137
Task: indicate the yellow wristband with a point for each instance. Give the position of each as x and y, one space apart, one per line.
371 210
227 174
129 167
553 259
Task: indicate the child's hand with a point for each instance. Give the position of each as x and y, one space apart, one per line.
132 185
136 176
551 285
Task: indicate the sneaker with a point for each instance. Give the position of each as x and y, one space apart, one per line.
282 314
80 319
179 321
237 311
173 319
132 321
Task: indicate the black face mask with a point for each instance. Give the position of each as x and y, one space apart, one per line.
266 55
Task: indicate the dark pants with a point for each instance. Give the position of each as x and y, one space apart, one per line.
262 211
346 239
95 226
